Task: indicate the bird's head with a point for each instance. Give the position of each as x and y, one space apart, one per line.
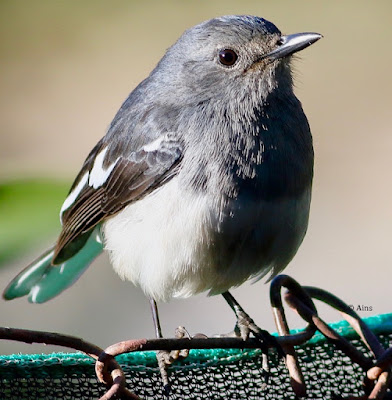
226 56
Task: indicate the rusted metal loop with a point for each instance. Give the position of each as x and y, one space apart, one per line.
113 391
381 386
115 380
107 356
296 339
102 366
116 384
341 342
117 389
296 377
367 336
291 284
383 363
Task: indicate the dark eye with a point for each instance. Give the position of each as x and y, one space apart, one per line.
227 57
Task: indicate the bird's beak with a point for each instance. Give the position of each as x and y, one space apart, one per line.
290 44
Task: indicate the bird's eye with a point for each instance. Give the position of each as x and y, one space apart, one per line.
227 57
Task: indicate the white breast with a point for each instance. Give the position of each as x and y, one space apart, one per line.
157 242
175 243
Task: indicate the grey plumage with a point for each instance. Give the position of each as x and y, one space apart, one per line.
246 146
204 177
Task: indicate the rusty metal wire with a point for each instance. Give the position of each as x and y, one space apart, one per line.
377 372
299 299
113 375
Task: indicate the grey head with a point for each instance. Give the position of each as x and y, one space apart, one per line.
225 62
227 55
226 85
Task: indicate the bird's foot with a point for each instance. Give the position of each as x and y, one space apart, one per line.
246 326
166 358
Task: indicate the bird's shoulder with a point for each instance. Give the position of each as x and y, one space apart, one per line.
136 156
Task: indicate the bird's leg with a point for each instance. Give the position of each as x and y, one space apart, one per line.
245 325
162 355
155 319
166 358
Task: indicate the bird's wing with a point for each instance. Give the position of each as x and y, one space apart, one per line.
107 183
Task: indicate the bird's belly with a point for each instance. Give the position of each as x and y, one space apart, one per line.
174 243
158 242
260 238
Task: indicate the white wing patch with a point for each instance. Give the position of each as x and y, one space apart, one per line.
74 194
99 174
155 145
95 178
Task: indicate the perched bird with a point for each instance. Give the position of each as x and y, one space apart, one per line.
203 179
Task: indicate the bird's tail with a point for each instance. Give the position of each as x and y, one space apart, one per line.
42 281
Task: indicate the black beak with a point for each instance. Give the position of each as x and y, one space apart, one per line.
290 44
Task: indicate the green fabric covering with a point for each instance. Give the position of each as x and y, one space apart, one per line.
205 374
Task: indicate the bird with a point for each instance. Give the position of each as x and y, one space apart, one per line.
203 179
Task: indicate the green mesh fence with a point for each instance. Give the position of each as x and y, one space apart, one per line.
205 374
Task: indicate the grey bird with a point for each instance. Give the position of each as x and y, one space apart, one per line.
203 179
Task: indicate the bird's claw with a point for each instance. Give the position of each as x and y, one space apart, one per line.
166 358
245 326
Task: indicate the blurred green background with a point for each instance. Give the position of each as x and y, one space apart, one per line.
66 67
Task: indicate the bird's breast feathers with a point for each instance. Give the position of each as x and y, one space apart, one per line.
177 242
